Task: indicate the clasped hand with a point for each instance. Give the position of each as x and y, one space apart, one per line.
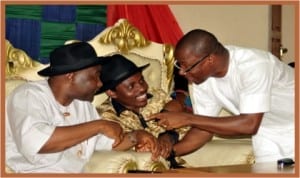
158 147
147 143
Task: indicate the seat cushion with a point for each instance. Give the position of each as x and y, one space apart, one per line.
221 152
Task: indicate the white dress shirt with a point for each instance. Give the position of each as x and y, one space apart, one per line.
32 114
256 82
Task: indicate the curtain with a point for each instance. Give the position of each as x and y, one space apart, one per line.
38 29
156 22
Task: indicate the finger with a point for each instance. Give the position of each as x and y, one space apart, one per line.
121 135
154 116
168 149
118 139
169 128
153 145
116 142
163 123
166 153
141 146
143 149
155 154
163 151
164 126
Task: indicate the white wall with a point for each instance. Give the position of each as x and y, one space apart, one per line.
244 25
288 32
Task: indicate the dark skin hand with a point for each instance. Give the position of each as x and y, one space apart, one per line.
165 145
146 142
243 124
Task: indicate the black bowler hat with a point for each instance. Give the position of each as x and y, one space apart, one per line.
71 57
116 69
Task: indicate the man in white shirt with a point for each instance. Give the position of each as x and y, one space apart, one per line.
255 86
51 125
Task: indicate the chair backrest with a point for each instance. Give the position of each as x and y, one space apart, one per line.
19 68
124 38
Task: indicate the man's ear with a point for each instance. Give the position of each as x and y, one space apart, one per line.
211 58
70 76
111 93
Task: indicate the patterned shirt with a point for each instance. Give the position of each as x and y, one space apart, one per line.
129 120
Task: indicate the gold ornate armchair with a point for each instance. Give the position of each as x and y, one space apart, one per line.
19 68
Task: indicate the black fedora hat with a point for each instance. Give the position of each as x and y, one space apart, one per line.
71 57
116 69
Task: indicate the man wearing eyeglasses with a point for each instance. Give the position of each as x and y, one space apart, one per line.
255 86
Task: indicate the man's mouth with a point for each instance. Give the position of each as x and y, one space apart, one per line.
141 97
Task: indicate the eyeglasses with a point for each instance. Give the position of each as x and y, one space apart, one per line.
176 64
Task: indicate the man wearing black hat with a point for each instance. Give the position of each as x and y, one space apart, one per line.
131 102
51 125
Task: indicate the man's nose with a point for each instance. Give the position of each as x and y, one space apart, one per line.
99 83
